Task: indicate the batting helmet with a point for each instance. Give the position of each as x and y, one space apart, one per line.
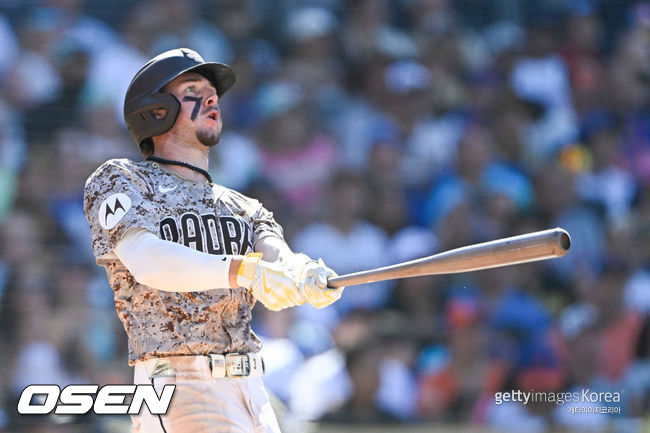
145 91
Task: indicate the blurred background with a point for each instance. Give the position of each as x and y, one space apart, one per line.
377 131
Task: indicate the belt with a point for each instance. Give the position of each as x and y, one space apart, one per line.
216 366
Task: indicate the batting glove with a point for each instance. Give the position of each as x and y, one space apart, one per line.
312 276
271 284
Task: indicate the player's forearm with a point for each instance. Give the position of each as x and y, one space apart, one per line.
173 267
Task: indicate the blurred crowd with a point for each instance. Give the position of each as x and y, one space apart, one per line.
377 131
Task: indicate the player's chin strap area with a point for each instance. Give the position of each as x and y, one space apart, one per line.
215 366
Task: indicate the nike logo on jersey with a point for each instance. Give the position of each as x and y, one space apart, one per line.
165 189
113 209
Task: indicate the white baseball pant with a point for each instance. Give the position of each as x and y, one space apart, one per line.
204 404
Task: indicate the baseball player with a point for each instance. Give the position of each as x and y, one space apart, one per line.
187 258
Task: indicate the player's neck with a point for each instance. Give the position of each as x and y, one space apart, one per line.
193 156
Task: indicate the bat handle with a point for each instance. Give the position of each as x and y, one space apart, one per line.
335 282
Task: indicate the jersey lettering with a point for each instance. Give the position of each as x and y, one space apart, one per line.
226 235
169 229
246 240
190 224
212 243
231 232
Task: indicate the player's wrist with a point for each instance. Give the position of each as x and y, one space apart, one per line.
235 263
246 270
271 283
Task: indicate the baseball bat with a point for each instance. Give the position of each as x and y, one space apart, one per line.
529 247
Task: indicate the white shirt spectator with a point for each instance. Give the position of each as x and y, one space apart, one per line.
40 362
544 80
110 73
513 417
282 359
613 187
319 385
357 128
432 146
8 45
637 291
397 393
238 161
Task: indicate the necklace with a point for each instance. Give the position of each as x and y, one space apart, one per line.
182 164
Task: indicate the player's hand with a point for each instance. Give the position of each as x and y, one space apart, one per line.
271 284
312 276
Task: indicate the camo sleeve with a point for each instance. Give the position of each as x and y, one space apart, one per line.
264 224
117 197
260 218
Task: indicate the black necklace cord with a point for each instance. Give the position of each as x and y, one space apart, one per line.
182 164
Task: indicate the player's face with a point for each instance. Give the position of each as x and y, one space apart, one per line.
199 117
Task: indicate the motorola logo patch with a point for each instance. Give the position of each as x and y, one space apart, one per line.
113 209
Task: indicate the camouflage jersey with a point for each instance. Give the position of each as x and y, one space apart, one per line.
122 194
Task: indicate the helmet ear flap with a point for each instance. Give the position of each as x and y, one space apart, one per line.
139 115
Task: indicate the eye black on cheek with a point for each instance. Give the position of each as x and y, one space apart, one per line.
198 100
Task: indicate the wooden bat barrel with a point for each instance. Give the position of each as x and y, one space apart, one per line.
529 247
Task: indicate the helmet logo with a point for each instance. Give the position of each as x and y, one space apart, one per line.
192 55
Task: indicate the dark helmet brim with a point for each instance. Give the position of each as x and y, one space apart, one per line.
220 75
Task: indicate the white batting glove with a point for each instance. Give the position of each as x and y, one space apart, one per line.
312 276
271 284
